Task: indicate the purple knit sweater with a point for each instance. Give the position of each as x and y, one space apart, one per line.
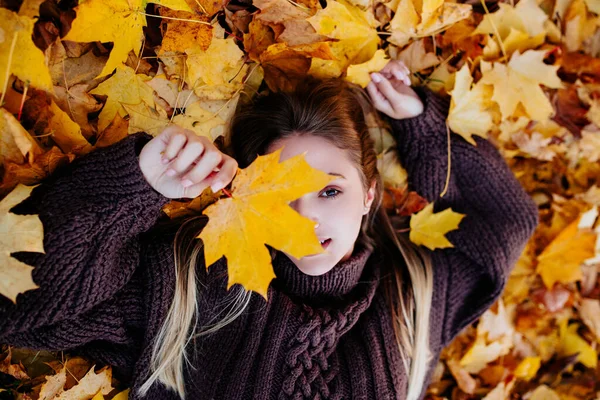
106 280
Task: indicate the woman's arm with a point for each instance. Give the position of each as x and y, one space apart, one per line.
500 215
92 212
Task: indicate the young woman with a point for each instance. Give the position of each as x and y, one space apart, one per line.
366 319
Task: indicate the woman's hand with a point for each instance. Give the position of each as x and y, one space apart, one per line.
391 93
178 163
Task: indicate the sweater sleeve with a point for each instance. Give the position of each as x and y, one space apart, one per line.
92 211
500 215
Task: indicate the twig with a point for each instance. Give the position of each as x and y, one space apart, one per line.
23 101
173 18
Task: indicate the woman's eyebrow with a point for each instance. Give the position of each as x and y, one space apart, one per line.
336 174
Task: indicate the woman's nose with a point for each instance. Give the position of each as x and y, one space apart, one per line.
302 207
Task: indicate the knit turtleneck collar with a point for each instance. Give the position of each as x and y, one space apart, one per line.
335 283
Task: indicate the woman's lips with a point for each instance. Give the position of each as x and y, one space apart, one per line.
326 243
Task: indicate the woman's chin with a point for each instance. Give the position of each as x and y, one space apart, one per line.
317 265
315 270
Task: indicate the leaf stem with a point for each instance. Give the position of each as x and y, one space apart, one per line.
173 18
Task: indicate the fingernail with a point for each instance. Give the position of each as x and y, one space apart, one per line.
164 160
170 172
216 186
186 182
376 77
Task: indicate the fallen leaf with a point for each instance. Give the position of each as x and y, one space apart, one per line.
207 117
416 58
561 259
356 39
66 133
180 33
590 314
428 229
117 21
360 73
19 53
519 83
143 118
572 343
19 233
528 368
218 72
469 107
125 86
515 25
17 144
424 18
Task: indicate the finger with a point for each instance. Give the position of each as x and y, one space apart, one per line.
216 180
228 170
400 71
407 74
406 69
190 153
388 91
211 158
379 101
386 73
176 142
401 76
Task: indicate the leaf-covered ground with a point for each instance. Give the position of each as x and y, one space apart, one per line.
524 75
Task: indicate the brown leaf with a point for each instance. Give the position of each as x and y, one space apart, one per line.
77 103
285 66
182 35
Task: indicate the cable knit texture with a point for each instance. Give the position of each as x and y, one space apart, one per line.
107 278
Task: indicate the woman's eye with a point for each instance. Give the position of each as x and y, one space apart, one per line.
333 193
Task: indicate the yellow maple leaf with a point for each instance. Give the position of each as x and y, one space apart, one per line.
482 353
469 108
359 73
143 118
181 34
18 233
19 55
125 86
258 213
217 72
420 19
355 33
428 229
66 133
519 82
117 21
561 260
571 343
208 117
519 27
416 58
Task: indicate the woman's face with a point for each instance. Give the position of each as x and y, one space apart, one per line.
338 208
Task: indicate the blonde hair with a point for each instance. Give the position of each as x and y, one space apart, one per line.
333 109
